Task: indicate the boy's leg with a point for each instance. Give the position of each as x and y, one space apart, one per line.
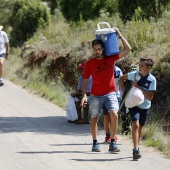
135 116
135 133
143 117
140 132
136 137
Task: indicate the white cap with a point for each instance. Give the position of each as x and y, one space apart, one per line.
1 28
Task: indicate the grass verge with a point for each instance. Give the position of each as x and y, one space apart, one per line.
33 80
153 136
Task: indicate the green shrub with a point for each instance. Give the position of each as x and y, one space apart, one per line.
86 10
5 7
127 9
153 8
53 4
139 34
27 17
148 9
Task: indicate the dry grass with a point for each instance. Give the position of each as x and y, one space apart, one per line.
153 136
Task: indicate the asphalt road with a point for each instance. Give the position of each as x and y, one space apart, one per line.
35 135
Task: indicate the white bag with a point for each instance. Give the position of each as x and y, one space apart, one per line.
71 112
134 98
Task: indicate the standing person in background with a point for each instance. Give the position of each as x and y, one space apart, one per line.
117 74
78 96
103 88
4 44
146 82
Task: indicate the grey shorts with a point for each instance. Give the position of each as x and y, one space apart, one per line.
105 111
109 100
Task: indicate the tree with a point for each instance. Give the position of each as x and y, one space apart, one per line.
86 9
127 8
53 4
5 8
151 8
27 17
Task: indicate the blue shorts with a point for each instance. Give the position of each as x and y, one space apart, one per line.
109 100
139 114
2 55
105 111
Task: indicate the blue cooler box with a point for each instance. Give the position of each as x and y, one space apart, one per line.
109 38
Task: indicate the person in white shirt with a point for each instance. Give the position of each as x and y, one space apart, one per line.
4 46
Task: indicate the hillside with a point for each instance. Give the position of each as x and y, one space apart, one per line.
61 46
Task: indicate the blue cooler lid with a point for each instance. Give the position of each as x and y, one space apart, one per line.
100 31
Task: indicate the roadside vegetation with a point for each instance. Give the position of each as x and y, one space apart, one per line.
147 35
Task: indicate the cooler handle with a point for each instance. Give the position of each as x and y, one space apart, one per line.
106 23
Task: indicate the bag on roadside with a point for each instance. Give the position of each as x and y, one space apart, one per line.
71 112
134 98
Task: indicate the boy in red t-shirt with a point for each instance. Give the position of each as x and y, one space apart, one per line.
103 88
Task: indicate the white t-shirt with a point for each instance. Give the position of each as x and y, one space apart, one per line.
3 39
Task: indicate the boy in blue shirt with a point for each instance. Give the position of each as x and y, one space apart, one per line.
146 82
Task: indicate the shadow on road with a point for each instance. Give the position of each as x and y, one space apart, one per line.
71 144
103 160
77 152
51 152
51 125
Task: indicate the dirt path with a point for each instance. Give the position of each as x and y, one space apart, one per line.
34 135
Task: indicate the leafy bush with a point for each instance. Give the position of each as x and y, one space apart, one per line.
127 9
27 17
86 10
153 8
162 70
149 9
139 34
53 4
5 8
